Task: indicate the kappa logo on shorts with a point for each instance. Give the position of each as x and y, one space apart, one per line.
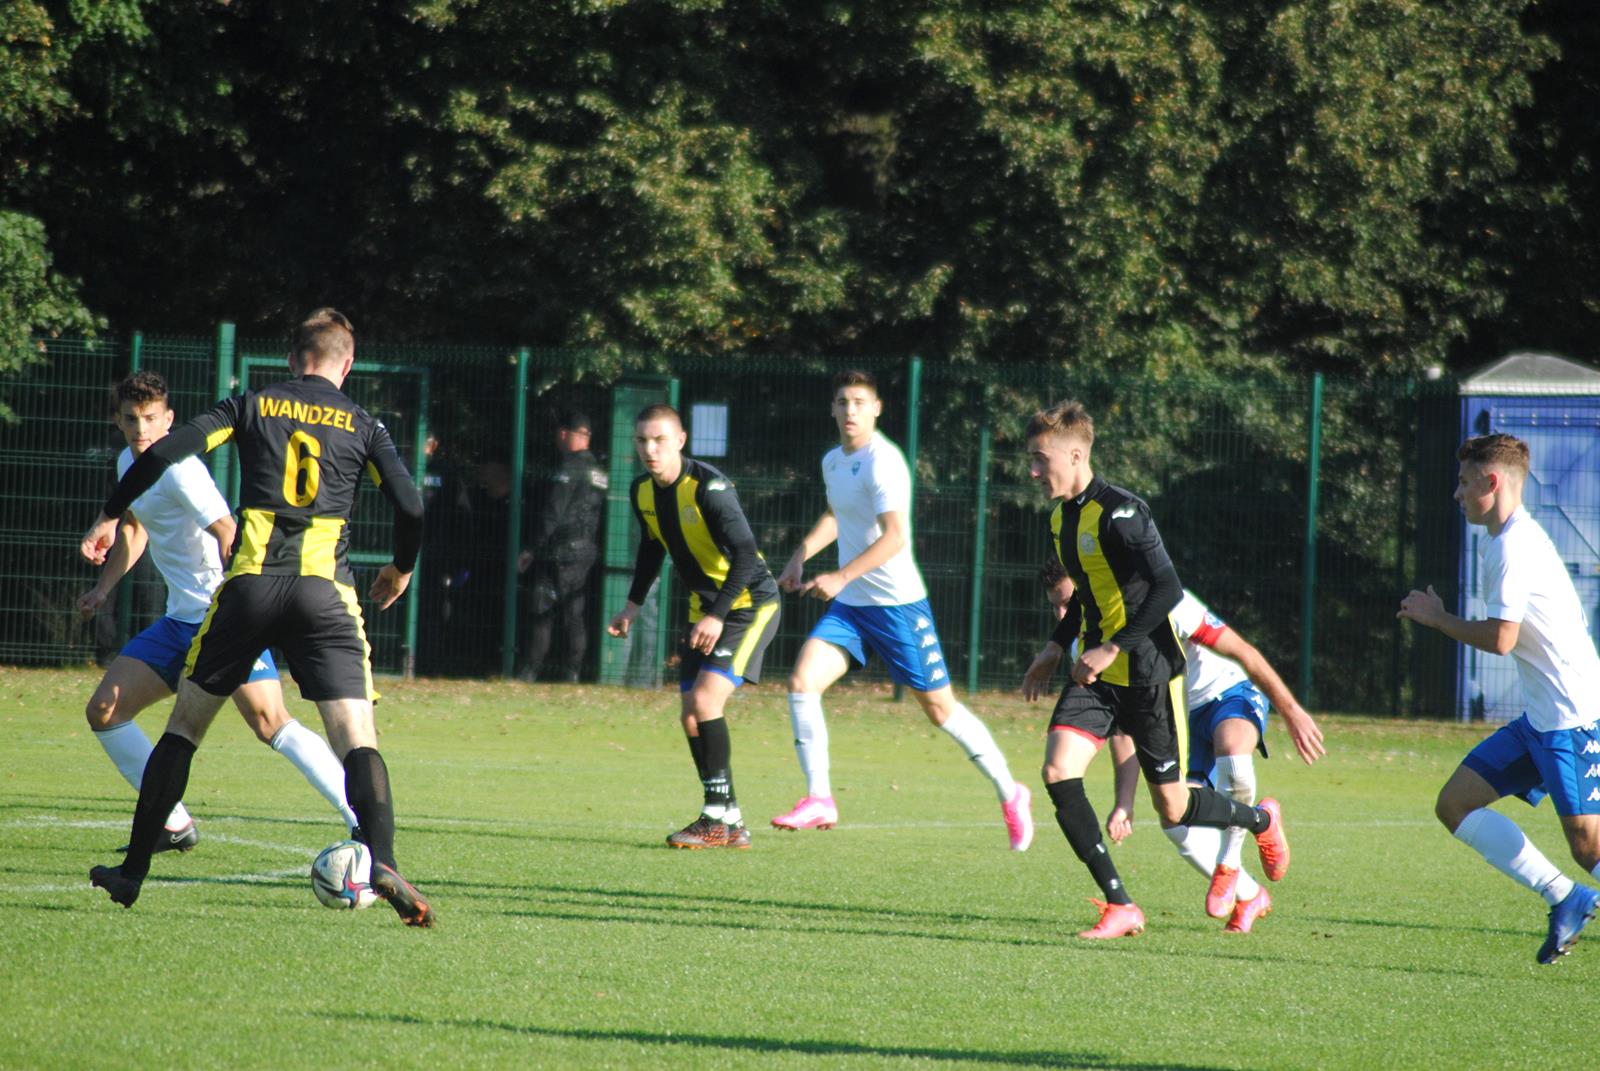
929 640
1593 796
938 675
1592 748
259 667
922 623
934 657
1594 770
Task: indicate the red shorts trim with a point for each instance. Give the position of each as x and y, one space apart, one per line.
1098 741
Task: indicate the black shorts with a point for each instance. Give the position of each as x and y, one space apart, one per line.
738 651
315 622
1152 716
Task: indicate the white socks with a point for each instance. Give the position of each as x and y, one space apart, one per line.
811 741
1236 777
1501 841
973 736
313 758
1200 845
129 749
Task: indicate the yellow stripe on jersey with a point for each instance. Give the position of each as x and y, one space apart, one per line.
317 546
752 637
347 595
253 542
1103 587
697 539
645 499
1055 532
218 437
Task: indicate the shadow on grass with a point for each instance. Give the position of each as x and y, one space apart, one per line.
810 1046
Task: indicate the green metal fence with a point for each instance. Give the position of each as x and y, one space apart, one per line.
1299 510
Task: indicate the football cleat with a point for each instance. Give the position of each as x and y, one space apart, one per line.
1019 818
1220 897
1116 920
173 840
1567 920
403 896
122 890
1245 912
812 812
1272 843
705 832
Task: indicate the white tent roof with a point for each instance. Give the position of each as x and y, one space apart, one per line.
1533 373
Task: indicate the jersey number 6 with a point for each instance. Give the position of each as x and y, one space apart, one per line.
300 461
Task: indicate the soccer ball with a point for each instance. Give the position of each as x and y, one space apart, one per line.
342 874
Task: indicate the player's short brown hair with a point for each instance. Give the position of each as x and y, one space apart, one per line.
1068 419
140 388
1051 572
855 377
1505 451
326 336
659 411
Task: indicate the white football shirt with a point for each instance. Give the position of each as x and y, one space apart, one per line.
1525 580
175 513
872 480
1206 674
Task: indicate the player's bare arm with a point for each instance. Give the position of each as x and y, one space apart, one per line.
891 542
824 532
1303 729
1125 782
1492 635
623 621
1036 679
124 553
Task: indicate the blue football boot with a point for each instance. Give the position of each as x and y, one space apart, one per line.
1567 920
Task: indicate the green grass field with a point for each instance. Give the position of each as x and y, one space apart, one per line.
570 936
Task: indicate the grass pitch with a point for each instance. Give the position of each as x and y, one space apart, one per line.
570 936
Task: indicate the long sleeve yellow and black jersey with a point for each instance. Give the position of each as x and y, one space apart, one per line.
1126 585
698 521
303 447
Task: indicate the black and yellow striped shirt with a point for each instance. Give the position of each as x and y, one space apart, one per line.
303 448
1125 583
697 519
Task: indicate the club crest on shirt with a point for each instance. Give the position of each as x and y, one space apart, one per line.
1086 544
855 468
689 515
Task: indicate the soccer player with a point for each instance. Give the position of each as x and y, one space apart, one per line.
1224 681
1127 676
1553 748
689 510
188 529
303 447
877 603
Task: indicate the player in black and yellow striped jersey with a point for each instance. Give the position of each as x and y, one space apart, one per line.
689 510
303 450
1128 676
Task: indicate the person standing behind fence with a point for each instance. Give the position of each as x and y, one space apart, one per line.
303 449
877 602
566 535
186 525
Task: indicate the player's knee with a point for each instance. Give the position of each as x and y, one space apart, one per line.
1449 810
101 710
799 683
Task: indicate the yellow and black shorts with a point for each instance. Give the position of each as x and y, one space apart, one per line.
314 621
1152 716
738 651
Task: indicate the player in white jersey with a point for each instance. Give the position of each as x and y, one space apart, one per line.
1224 681
877 604
1553 748
187 527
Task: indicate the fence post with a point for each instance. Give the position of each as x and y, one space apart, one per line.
519 449
980 548
913 429
1308 582
222 456
125 589
408 665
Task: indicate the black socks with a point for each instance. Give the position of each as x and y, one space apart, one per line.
166 775
1208 807
366 787
1077 820
715 761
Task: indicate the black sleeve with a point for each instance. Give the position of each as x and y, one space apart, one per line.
719 505
1137 533
648 562
557 500
1070 625
390 474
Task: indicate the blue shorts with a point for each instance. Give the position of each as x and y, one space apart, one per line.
1243 701
903 636
165 645
1518 760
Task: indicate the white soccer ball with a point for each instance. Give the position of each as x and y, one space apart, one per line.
341 876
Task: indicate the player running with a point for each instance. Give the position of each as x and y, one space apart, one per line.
877 603
1127 677
303 447
689 510
187 526
1553 748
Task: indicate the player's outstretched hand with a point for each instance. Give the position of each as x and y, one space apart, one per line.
1305 734
1037 678
1119 825
91 601
623 621
824 586
390 584
1423 607
703 637
792 575
98 539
